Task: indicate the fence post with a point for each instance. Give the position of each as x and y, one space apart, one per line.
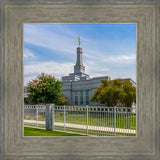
36 115
87 119
52 117
64 118
49 116
114 120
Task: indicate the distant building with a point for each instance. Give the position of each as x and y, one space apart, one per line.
78 87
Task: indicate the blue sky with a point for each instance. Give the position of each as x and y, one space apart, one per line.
108 49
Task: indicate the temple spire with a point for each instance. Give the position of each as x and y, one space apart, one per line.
79 68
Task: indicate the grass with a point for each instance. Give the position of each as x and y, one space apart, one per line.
39 132
95 133
124 121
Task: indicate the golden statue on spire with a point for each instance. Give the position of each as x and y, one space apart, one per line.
79 40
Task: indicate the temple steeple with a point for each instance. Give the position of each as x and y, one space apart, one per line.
79 68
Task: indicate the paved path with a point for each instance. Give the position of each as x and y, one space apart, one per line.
80 126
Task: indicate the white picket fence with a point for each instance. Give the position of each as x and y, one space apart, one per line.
89 120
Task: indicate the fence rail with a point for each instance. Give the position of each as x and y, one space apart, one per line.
89 120
34 116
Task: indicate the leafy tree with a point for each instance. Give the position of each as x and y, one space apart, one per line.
63 101
115 93
45 89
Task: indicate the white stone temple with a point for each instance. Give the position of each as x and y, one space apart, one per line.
78 87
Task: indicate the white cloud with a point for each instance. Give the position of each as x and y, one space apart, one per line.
56 69
95 68
28 78
105 57
63 69
113 66
28 54
51 40
122 58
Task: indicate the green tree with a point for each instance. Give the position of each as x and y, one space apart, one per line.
115 93
44 89
63 101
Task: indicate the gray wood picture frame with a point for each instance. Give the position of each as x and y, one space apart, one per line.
15 14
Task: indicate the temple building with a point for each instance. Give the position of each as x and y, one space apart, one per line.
78 87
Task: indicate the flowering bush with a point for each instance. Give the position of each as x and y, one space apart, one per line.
45 89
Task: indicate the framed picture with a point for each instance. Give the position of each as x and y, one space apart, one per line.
62 70
144 14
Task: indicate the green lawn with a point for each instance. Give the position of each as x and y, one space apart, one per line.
39 132
95 133
125 121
